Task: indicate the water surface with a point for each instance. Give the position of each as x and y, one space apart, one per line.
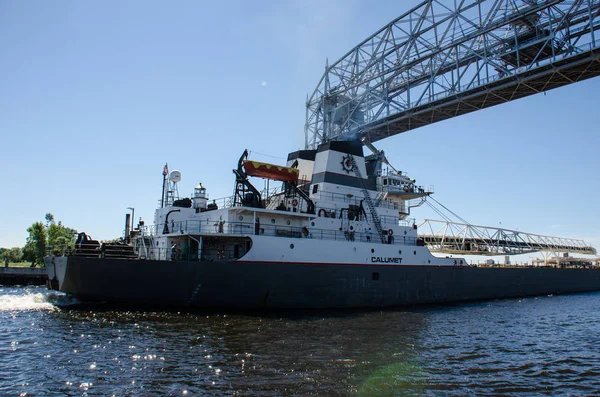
536 347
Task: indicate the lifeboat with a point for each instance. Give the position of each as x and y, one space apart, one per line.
271 171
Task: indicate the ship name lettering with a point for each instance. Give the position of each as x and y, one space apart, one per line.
380 259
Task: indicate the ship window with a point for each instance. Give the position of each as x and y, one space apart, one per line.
312 223
415 252
288 222
385 182
400 252
291 246
315 188
273 220
375 276
241 218
372 250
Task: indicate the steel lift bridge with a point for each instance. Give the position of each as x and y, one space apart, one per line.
464 238
443 59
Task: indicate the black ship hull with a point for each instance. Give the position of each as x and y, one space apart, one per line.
252 285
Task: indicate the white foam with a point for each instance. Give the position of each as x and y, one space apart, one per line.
27 300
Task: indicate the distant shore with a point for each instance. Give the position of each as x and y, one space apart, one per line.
23 275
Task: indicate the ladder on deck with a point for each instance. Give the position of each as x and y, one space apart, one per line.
368 199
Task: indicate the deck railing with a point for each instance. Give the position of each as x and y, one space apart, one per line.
220 227
233 229
227 202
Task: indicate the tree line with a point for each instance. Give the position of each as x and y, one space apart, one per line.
42 236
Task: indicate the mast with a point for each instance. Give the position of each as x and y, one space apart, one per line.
165 172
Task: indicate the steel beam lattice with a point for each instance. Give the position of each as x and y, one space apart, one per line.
447 58
462 238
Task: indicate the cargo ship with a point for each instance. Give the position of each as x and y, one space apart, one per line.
335 232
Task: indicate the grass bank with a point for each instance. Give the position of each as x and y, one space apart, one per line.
18 264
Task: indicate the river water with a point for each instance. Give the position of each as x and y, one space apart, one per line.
534 347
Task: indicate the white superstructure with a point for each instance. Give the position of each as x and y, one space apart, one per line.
335 206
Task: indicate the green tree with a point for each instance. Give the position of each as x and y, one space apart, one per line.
11 255
51 235
15 254
35 247
60 236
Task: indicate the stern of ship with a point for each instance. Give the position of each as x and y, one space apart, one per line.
56 268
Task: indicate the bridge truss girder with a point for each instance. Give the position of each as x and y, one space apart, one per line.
438 61
461 238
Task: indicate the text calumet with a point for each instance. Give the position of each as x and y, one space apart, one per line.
379 259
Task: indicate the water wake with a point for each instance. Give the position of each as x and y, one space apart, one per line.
26 299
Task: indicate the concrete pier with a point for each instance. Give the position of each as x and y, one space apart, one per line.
23 276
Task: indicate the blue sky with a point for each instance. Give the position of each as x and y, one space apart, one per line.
96 96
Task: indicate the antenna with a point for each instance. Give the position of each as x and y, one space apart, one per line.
173 192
